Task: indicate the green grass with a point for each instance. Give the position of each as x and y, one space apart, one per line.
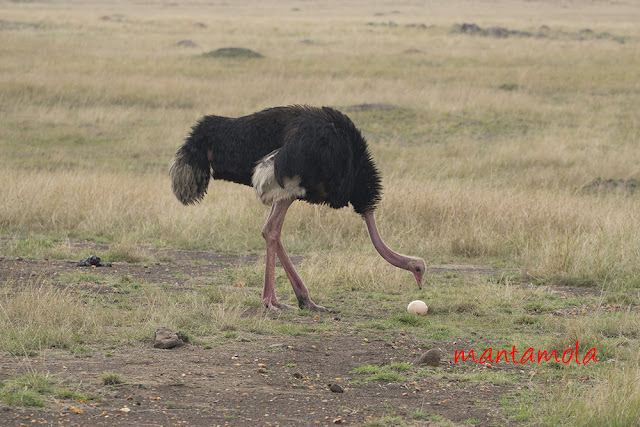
32 389
230 334
419 414
75 395
518 408
411 320
389 420
387 377
399 366
366 369
126 284
390 373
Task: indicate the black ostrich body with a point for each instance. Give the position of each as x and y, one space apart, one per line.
286 153
320 145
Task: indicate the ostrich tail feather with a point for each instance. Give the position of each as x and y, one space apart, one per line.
189 176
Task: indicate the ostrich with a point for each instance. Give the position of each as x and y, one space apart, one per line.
285 154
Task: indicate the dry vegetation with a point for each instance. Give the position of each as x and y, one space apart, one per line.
487 146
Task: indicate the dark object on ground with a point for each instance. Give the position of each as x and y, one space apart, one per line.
430 358
612 185
287 154
543 32
498 32
116 17
372 107
335 388
166 338
92 260
187 43
233 52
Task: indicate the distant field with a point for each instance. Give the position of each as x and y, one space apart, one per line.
507 133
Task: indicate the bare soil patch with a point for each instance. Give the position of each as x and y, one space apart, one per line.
258 381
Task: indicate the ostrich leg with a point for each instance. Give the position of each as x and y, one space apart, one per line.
271 232
296 282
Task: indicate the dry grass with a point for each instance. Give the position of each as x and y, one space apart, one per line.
614 400
484 160
547 233
37 317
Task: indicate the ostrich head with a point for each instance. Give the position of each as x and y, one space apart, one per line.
418 267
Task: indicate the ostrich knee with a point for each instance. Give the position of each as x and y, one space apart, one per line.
271 234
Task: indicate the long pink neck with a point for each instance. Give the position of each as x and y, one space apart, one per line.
392 257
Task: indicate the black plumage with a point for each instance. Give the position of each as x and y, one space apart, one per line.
320 145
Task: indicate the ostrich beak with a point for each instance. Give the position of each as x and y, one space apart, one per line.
418 279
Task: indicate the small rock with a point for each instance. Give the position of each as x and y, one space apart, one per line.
335 388
166 338
430 358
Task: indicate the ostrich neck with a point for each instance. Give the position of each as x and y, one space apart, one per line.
390 256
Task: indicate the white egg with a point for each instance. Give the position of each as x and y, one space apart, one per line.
418 307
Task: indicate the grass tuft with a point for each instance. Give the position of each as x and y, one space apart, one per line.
111 378
388 373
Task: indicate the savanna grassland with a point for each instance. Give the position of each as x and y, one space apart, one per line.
509 153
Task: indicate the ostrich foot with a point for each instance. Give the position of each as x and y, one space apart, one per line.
307 303
274 304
